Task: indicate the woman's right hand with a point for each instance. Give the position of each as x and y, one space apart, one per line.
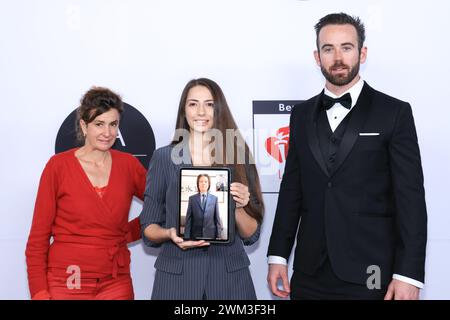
185 244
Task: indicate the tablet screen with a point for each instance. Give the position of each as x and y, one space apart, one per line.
204 204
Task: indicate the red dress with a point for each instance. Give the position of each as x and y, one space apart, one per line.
89 232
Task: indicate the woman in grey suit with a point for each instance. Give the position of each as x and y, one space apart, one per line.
202 216
188 269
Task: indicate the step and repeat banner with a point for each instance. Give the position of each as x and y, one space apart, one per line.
259 51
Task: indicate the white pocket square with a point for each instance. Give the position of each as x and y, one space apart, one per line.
369 133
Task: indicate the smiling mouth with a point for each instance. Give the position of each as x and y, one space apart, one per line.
201 122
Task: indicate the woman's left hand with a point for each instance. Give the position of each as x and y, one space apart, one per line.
240 194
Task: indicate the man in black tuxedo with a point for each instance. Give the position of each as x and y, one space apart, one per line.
352 185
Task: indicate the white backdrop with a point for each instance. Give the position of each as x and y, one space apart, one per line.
52 51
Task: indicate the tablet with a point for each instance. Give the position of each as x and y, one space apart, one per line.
204 204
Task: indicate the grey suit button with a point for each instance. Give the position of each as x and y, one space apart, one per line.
330 184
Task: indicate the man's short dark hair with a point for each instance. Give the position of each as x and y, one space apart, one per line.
342 18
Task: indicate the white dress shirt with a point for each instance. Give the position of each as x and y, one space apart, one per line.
335 115
338 112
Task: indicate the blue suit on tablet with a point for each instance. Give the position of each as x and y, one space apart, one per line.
202 216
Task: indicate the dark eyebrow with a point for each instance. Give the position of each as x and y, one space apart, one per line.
198 100
342 44
101 121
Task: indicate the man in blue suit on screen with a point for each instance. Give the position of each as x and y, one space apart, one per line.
202 216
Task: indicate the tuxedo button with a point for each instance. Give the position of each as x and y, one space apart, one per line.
331 159
333 139
330 184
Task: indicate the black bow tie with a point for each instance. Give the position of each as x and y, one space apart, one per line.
345 101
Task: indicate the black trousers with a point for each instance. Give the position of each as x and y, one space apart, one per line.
325 285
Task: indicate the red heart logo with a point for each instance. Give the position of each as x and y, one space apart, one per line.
275 145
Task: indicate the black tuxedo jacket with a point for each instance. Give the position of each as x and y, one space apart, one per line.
370 209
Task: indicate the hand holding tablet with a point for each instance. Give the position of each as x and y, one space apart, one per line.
186 244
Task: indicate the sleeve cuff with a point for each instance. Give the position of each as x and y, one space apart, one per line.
146 240
276 260
253 238
41 295
134 232
415 283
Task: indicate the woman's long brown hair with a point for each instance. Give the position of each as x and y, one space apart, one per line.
244 173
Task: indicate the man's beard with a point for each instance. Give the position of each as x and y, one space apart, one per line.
341 80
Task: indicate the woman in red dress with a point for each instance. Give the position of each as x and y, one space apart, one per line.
83 203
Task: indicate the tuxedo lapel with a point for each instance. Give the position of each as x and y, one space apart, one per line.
358 117
313 138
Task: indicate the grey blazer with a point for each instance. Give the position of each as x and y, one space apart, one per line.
217 272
